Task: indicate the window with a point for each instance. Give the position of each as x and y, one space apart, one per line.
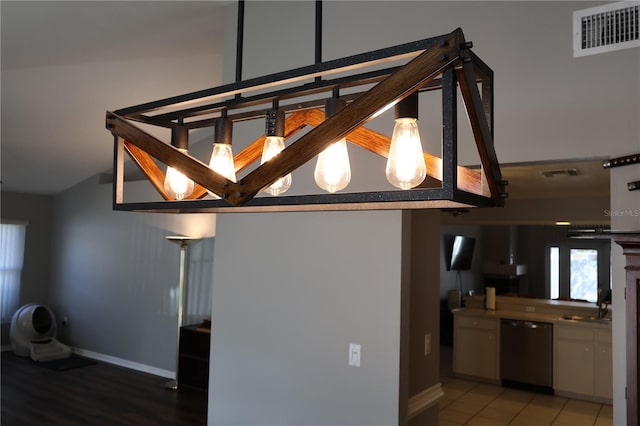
12 237
554 271
577 269
583 264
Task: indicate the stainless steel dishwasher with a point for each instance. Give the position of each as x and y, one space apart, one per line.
526 354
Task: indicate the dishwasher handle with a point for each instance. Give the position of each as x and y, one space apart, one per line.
525 324
529 324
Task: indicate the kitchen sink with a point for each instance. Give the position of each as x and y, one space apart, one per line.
587 319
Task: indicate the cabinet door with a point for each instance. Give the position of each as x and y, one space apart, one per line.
475 353
574 366
193 357
604 365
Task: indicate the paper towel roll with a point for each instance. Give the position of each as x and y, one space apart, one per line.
490 298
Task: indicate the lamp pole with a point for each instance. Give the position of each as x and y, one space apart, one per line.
184 243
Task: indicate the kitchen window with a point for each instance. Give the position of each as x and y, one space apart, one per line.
576 270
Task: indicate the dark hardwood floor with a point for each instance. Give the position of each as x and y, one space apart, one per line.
99 394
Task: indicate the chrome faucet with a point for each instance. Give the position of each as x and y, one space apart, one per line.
602 306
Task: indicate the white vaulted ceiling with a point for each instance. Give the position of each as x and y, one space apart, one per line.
65 63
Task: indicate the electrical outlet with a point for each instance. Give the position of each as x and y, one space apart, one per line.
65 321
354 354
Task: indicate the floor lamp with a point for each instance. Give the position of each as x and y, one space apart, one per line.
183 242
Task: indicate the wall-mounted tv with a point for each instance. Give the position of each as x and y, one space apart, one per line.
459 252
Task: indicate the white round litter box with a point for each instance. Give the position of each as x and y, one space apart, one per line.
33 333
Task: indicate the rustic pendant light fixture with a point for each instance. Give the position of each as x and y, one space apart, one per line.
444 63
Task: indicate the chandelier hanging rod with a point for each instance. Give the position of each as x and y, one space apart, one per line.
239 40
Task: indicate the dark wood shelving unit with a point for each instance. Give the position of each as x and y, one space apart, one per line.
193 356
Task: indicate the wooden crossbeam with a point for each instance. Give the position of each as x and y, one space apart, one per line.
148 167
190 167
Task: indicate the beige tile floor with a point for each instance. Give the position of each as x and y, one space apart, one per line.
479 404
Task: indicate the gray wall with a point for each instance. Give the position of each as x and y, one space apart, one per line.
35 279
543 112
291 291
452 280
107 271
424 257
115 274
112 270
493 247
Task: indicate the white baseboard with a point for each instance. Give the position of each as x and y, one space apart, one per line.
125 363
584 397
425 399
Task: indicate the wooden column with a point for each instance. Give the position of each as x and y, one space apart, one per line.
631 248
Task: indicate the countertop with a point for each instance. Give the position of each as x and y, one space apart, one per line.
530 316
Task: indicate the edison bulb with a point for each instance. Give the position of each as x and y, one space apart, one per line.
273 145
177 185
333 171
406 167
222 162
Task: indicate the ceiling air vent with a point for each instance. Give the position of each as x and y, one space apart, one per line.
606 28
559 172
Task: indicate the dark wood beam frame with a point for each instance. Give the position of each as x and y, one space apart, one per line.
630 244
440 63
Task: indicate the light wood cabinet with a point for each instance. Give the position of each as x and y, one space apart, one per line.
574 360
582 355
582 361
604 364
475 342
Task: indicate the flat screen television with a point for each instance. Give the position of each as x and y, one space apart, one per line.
459 252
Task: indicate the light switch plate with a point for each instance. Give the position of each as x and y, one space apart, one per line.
354 354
